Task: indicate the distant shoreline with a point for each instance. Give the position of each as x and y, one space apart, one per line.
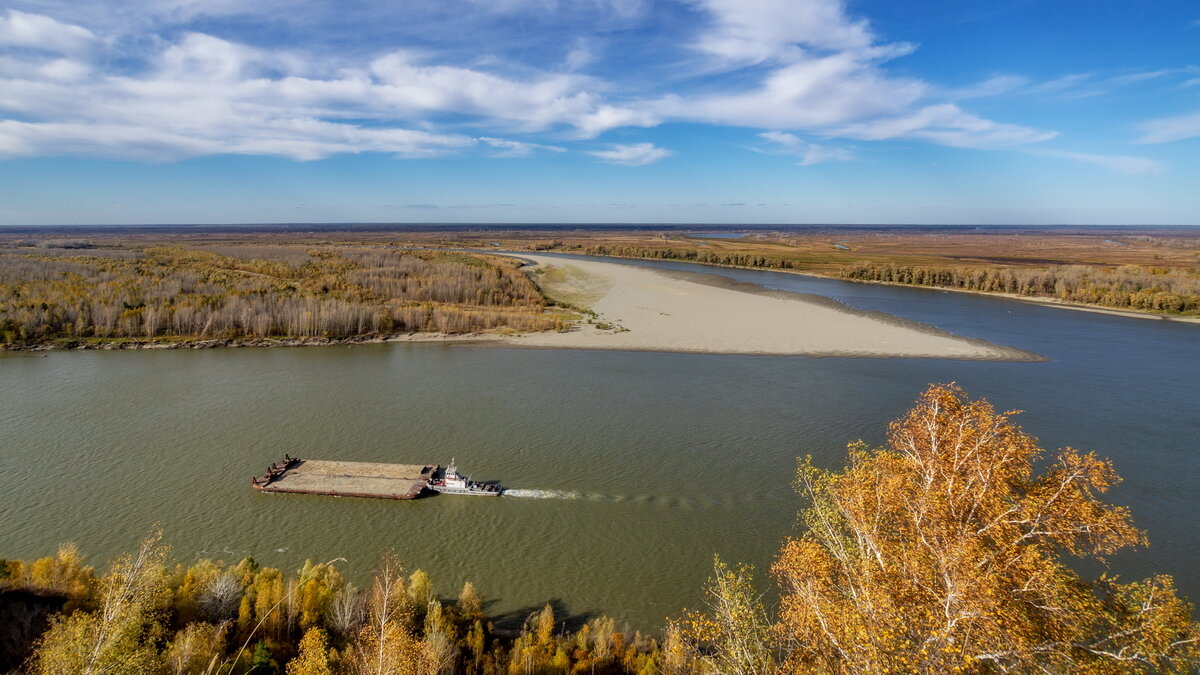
588 337
126 344
640 309
1040 300
1051 302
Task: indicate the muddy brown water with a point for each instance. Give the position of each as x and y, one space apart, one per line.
634 468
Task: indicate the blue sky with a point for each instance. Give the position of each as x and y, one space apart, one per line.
707 111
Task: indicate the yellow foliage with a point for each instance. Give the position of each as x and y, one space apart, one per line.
65 573
119 636
942 552
313 658
197 648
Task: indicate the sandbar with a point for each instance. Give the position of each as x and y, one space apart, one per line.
642 309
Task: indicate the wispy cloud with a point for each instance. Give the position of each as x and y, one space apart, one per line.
1062 83
947 124
820 70
1133 166
139 81
754 31
637 154
42 33
1088 85
508 148
1167 129
993 86
809 153
204 95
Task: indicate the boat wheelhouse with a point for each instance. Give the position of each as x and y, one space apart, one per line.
449 481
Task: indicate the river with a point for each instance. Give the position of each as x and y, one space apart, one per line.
647 463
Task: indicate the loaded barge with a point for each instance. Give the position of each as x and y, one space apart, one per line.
367 479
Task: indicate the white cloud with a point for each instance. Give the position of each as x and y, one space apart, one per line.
295 139
508 148
1167 129
637 154
580 56
827 77
816 70
993 86
810 94
946 124
1087 85
1062 83
43 33
204 95
1133 166
809 153
754 31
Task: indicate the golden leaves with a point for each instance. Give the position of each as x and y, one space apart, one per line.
940 552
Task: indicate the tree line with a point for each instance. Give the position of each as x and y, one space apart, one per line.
233 292
948 549
696 255
145 616
1126 287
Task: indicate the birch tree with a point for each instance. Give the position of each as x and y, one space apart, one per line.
947 551
119 636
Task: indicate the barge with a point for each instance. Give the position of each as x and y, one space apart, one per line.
367 479
345 479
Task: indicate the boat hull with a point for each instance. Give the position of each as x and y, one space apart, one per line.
465 491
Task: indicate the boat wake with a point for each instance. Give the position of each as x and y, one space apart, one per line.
707 502
542 494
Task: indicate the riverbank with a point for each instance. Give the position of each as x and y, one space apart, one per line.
1052 302
639 309
1036 299
233 343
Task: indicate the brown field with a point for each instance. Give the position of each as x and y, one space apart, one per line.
814 249
817 250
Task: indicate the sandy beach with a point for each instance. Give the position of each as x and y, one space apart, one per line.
640 309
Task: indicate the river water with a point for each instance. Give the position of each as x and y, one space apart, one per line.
646 464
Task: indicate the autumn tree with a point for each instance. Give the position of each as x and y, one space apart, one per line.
65 574
197 648
313 658
386 644
119 636
733 635
947 551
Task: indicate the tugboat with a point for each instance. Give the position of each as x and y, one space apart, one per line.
452 482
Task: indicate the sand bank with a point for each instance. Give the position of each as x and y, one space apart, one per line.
653 310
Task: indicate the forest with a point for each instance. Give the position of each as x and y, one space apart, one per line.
697 255
948 549
1139 287
71 294
1124 287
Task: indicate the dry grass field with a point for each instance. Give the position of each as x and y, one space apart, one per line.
828 249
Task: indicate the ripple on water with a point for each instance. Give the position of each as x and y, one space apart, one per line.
657 461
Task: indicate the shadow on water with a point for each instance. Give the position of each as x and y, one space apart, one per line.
510 622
